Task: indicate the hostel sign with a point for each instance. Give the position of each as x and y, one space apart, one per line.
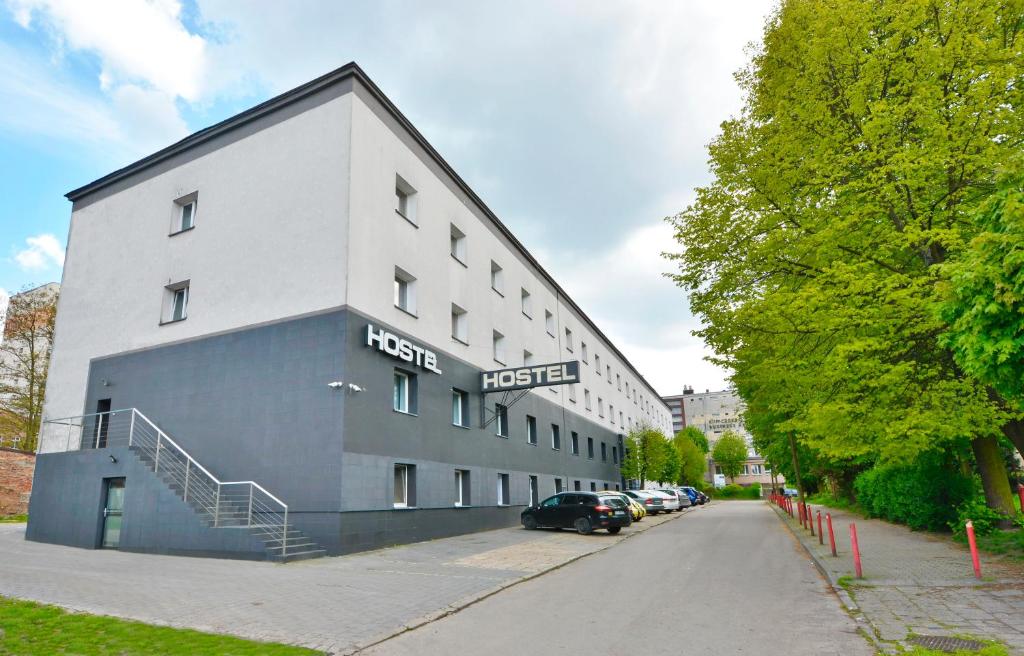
401 349
517 378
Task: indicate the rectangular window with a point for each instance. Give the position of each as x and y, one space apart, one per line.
618 381
600 407
404 392
586 398
606 486
179 303
549 322
497 278
462 488
405 291
593 486
556 437
572 393
615 455
718 469
499 347
576 485
611 413
583 352
620 418
534 492
405 200
527 304
558 485
575 443
460 408
568 340
531 430
503 492
609 368
405 486
187 216
590 448
597 364
460 325
501 419
458 244
604 452
755 470
527 358
746 470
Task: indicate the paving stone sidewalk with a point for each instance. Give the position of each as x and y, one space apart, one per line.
919 583
336 605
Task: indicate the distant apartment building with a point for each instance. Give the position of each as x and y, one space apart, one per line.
714 413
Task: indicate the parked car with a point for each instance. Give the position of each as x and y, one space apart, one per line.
636 509
698 498
583 511
652 504
682 498
671 500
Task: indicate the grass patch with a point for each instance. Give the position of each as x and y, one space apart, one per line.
13 519
1006 543
826 499
990 650
31 629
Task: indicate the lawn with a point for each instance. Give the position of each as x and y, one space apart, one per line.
13 519
30 629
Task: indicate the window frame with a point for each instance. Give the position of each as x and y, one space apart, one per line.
460 323
531 430
404 279
404 503
405 200
501 420
457 244
497 279
463 407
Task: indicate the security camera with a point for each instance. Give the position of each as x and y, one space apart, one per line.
354 388
336 384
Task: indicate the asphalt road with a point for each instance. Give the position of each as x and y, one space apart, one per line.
725 579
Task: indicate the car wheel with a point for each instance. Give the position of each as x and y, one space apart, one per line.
529 522
583 526
614 529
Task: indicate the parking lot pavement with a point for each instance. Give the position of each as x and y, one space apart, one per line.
920 583
331 604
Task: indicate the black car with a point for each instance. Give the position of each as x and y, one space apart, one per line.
583 511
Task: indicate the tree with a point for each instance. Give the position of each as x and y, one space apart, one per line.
646 452
670 466
696 436
870 136
692 459
729 453
24 363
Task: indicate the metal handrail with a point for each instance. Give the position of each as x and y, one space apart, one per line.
204 492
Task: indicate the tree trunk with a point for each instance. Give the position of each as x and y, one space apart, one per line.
796 467
1014 431
993 477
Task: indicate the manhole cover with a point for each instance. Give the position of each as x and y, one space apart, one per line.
947 644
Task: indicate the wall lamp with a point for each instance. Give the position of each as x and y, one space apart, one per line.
352 387
113 459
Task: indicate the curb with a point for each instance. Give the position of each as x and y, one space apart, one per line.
466 602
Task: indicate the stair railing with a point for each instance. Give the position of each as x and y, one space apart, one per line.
228 503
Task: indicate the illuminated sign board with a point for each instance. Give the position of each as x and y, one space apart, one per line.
401 349
517 378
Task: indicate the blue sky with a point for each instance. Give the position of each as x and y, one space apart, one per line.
581 124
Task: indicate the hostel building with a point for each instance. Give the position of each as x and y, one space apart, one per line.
272 341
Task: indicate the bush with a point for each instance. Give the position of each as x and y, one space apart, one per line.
985 520
924 495
733 491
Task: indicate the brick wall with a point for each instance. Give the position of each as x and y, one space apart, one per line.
16 468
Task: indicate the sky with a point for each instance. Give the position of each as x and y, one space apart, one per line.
581 124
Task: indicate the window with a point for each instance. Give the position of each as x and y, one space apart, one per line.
718 469
497 278
185 213
572 393
499 347
460 325
176 304
501 419
586 398
604 452
606 486
576 485
618 381
503 495
746 470
549 322
404 392
405 291
597 364
583 351
460 408
462 488
609 368
531 430
593 486
405 486
755 470
527 358
405 200
617 487
620 418
558 485
556 437
458 244
575 443
600 407
527 304
590 448
615 455
568 340
611 413
534 494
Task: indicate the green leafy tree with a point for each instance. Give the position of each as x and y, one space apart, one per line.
696 436
646 451
692 459
729 453
670 473
871 135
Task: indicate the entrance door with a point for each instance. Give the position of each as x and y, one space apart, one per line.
102 425
113 507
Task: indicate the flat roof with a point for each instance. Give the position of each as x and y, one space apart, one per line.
349 71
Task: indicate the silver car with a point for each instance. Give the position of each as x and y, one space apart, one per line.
681 496
670 500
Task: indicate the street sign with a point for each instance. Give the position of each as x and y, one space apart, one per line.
517 378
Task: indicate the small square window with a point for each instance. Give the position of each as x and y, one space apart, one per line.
176 299
497 278
527 304
593 486
458 244
185 213
600 407
405 291
568 340
404 392
460 408
583 352
499 347
576 486
572 393
460 325
586 399
549 322
597 364
405 200
528 359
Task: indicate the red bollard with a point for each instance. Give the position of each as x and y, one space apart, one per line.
856 550
1020 493
800 512
831 535
810 519
821 537
974 549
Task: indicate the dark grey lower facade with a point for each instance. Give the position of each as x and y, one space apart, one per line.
255 404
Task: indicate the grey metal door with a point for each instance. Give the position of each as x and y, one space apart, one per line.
113 509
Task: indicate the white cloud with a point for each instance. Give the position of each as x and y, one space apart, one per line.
42 252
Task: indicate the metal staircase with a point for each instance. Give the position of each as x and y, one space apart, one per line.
229 505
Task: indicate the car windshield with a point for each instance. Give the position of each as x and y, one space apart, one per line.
614 502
